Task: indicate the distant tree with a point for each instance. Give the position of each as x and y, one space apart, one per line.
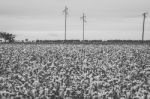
26 40
10 37
7 36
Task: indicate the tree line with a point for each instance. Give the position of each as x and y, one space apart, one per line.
7 37
92 41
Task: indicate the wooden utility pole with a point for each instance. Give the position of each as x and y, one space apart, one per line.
83 20
65 11
144 17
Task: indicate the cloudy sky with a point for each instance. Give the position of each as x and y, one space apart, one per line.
106 19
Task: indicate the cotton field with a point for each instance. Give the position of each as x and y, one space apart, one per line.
71 71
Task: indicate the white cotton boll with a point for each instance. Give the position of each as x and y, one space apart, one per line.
85 60
122 98
78 92
36 83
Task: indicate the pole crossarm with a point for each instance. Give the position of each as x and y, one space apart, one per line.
83 18
144 14
65 11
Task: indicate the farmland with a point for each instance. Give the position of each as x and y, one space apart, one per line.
68 71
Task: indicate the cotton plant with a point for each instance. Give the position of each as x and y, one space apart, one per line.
72 70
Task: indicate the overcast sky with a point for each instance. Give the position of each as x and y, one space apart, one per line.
106 19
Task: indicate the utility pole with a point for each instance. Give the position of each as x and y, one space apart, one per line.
65 11
144 17
83 20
